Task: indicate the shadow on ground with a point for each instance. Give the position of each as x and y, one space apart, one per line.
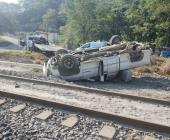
136 83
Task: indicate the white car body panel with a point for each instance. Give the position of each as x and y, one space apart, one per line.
125 62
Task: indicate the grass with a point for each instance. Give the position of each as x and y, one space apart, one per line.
32 55
166 67
19 56
37 58
160 66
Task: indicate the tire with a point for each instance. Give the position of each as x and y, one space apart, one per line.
114 40
61 51
126 75
68 65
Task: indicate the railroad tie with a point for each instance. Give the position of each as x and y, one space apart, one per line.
18 108
70 122
108 132
2 102
44 115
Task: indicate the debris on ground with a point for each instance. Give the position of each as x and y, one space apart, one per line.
17 85
166 67
159 65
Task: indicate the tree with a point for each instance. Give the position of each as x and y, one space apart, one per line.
52 21
8 14
110 19
6 25
92 20
140 24
79 15
160 13
150 21
32 11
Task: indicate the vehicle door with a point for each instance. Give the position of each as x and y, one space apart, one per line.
111 65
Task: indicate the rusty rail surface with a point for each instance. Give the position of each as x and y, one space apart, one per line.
89 90
92 113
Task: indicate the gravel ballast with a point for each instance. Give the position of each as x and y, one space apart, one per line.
24 125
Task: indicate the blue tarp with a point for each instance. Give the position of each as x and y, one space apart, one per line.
166 54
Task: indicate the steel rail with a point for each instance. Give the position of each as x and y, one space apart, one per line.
93 113
89 90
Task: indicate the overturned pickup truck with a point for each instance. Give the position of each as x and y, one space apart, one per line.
99 64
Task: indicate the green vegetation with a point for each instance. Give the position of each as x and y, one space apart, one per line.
40 15
22 53
79 21
142 20
8 13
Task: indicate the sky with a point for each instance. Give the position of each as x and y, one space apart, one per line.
9 1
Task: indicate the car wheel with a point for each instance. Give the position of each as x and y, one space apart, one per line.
114 40
68 65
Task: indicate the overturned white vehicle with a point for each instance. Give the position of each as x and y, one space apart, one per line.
99 64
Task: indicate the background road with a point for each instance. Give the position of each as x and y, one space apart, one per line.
10 39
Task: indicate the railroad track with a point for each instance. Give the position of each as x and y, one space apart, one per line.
86 89
71 121
145 125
